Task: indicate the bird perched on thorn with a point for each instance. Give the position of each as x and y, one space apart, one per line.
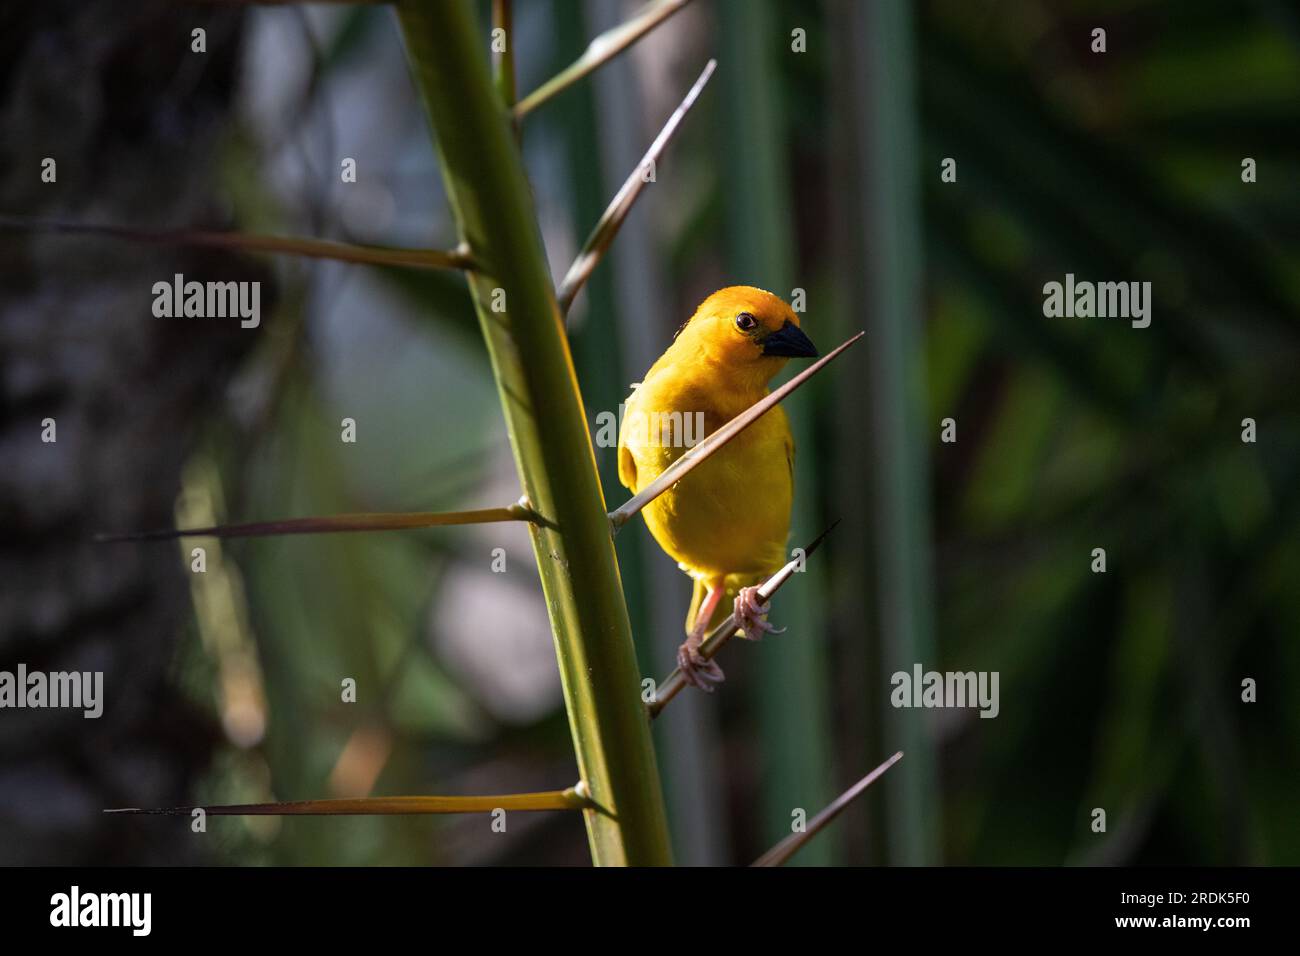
726 522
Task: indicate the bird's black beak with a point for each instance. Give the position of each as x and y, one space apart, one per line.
789 342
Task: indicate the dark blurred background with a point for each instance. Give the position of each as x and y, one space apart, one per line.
811 163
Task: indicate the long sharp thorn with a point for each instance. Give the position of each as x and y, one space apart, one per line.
795 841
458 258
600 51
571 799
602 237
329 524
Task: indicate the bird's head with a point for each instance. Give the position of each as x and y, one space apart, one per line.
748 331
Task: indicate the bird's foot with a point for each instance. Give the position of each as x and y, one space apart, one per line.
698 670
750 613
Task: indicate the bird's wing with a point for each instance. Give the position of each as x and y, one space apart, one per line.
789 452
626 468
626 460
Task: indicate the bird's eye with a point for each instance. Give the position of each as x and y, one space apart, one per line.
745 322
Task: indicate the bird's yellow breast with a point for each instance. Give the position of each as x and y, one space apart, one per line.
730 517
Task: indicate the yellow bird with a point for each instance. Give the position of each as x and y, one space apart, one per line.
727 521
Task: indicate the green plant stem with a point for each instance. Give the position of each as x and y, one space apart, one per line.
529 351
889 212
503 64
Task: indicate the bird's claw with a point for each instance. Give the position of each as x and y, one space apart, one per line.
749 612
698 670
